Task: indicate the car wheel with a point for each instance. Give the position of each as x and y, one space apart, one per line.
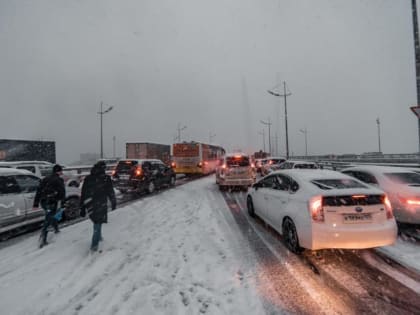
72 209
151 187
172 181
250 207
290 236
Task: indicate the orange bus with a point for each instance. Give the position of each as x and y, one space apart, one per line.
195 158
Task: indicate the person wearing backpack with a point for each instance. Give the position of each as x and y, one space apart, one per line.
51 194
96 190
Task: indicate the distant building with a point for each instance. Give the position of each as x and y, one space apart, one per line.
89 158
27 150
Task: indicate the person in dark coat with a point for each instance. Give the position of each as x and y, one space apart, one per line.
51 194
96 190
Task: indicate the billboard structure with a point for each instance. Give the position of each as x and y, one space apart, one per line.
27 150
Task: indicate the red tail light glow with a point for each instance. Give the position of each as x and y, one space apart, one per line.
388 207
113 173
316 210
224 166
358 196
413 202
173 165
138 171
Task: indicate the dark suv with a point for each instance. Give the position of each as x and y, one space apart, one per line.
144 175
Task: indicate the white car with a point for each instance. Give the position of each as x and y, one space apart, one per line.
272 164
289 164
400 184
17 193
235 170
317 209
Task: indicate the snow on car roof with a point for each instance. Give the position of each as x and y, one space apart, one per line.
379 169
312 174
301 162
14 171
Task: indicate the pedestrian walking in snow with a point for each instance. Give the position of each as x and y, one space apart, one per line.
96 190
51 194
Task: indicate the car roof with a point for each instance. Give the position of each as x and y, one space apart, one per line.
379 169
4 171
236 154
311 174
139 160
301 162
26 162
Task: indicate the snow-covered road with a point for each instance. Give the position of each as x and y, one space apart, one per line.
181 251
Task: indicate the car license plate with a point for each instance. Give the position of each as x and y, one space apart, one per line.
357 218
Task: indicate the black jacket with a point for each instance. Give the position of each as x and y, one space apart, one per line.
97 188
50 192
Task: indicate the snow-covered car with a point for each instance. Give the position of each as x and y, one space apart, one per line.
401 185
17 193
235 170
39 168
289 164
272 164
317 209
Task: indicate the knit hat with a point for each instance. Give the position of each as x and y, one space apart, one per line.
57 168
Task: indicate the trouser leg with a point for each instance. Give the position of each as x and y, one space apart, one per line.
96 235
47 222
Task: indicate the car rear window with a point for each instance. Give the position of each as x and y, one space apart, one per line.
276 161
343 183
306 166
126 165
404 178
237 161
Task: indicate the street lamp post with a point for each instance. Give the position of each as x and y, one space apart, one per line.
179 131
378 122
305 132
101 113
263 136
269 133
285 95
211 136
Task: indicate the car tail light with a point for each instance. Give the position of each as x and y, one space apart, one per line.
200 164
224 166
316 210
113 173
173 164
252 165
413 202
138 171
388 208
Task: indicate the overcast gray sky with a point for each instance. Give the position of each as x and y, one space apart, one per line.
207 65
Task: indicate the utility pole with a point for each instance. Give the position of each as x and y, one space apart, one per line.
417 58
263 134
101 113
379 133
285 95
113 146
179 131
305 132
211 136
269 134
